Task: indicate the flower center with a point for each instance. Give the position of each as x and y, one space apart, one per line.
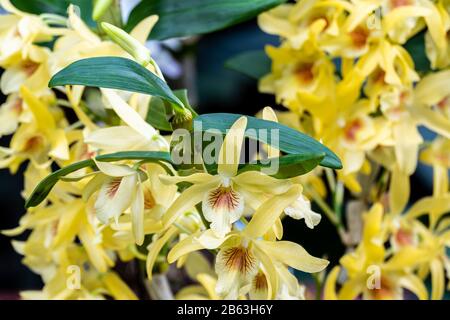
400 3
33 144
359 37
304 73
404 237
386 290
352 128
29 67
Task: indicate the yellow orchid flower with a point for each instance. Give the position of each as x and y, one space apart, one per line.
18 33
224 195
301 22
367 271
432 102
300 80
241 254
36 140
433 257
10 113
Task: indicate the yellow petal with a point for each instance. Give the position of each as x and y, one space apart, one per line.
432 120
432 88
184 247
230 151
59 145
155 248
114 170
116 138
143 29
270 115
117 287
437 280
186 201
407 144
439 204
93 249
137 213
41 113
269 271
398 190
128 114
406 257
68 224
209 283
351 289
330 284
415 285
80 27
266 215
293 255
256 181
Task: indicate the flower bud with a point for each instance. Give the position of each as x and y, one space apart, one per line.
139 52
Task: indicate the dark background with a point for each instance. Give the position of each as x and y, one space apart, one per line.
218 90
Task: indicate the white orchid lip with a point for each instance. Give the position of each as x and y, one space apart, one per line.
113 187
222 206
224 198
239 259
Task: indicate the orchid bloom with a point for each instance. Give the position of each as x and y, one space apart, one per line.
223 195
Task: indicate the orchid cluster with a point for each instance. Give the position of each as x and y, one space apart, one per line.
345 75
103 191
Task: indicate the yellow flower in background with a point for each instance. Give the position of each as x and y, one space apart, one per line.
300 79
19 31
433 241
437 155
367 271
42 138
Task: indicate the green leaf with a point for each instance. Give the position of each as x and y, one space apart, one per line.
290 141
254 64
114 73
416 48
181 18
45 186
292 165
56 6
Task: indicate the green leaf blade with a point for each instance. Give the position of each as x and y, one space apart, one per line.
114 73
56 7
289 166
290 141
192 17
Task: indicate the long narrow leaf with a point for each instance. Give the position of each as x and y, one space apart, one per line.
114 73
